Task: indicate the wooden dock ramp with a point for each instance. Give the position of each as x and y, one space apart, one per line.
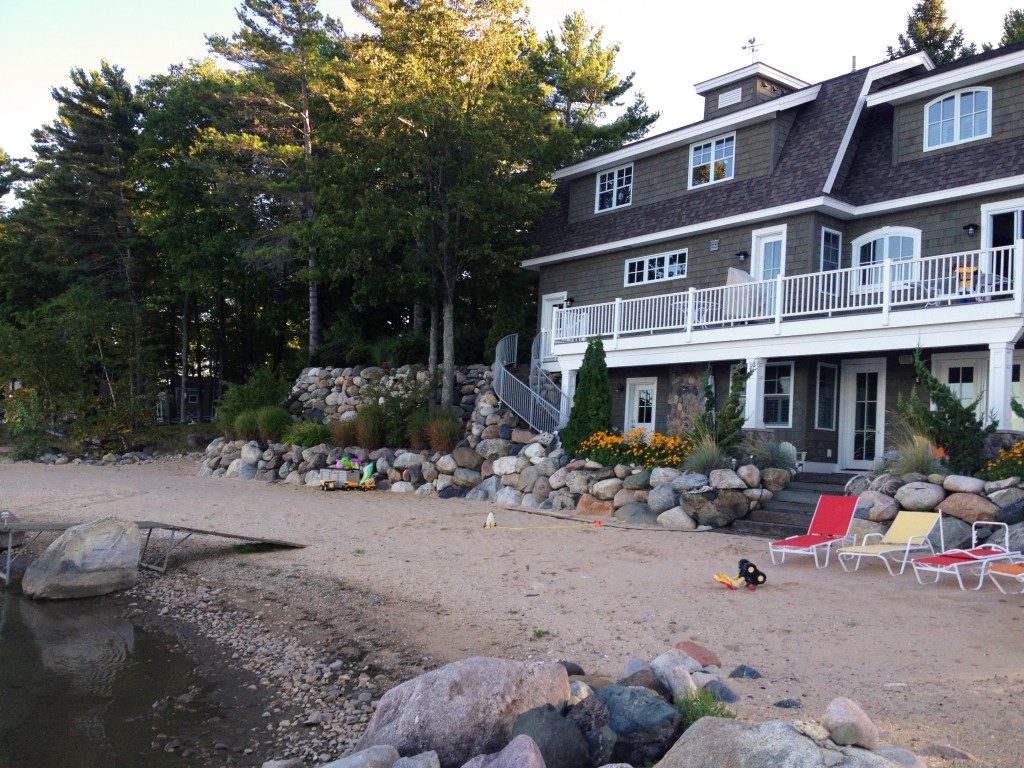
162 547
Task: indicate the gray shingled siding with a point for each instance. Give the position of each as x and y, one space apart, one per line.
1007 119
747 99
664 176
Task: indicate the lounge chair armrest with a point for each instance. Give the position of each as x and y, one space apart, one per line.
869 536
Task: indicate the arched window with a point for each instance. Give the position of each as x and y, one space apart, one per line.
958 117
888 244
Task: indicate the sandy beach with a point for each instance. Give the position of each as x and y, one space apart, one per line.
932 665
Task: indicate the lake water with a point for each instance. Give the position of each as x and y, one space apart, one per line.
81 686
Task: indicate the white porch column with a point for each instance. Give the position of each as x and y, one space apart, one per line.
568 389
1000 387
755 393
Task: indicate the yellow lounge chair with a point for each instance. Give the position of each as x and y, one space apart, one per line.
908 534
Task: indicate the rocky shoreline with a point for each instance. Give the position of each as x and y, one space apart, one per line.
270 636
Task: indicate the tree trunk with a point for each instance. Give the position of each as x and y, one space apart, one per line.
448 355
435 324
183 400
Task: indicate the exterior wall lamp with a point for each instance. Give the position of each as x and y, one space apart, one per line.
970 229
567 303
742 256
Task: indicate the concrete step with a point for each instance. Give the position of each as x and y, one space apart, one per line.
765 529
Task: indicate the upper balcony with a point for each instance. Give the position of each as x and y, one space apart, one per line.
895 297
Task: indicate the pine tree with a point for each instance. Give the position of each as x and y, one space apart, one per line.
592 405
1013 27
928 31
948 423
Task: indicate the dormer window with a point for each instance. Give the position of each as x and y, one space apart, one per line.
958 117
614 188
712 161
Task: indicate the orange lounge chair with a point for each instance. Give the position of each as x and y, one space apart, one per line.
1007 572
975 560
829 527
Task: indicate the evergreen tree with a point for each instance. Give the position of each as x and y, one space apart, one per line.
928 30
1013 27
947 422
579 73
592 404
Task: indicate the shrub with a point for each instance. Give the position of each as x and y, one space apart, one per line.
307 433
24 415
416 428
444 431
263 387
636 447
396 403
1009 463
592 404
370 429
948 423
724 426
272 421
246 426
698 704
343 433
705 456
769 452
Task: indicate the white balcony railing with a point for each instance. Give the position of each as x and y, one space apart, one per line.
929 283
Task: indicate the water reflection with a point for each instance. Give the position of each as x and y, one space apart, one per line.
79 685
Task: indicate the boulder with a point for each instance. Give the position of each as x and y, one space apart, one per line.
661 498
847 724
605 490
698 506
963 484
637 480
690 481
494 448
578 482
714 741
677 520
750 475
626 496
407 460
645 724
673 668
541 489
467 478
887 484
509 496
969 507
775 479
730 505
726 478
422 760
920 496
85 561
703 656
505 465
464 709
521 752
446 464
876 507
591 506
466 457
559 739
636 513
381 756
1007 497
592 717
661 475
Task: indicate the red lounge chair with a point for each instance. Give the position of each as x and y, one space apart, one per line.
830 527
973 560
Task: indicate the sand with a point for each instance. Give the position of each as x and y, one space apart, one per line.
933 666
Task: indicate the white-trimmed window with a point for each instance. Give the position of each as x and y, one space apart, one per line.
614 188
827 397
778 395
712 161
958 117
900 245
831 249
651 269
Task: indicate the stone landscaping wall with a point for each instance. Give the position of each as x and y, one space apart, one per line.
328 395
962 499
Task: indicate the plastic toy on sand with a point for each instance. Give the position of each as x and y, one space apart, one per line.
749 574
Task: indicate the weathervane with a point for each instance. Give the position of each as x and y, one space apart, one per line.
752 47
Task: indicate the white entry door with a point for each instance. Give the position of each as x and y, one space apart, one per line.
641 395
862 413
548 303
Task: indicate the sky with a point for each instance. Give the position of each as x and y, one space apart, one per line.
668 44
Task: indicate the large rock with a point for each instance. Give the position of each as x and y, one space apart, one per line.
698 506
677 520
673 669
494 448
463 709
381 756
521 752
591 506
661 498
876 507
467 458
644 723
715 742
661 475
636 513
775 479
86 560
750 474
728 506
467 478
847 724
605 490
969 507
691 481
963 484
920 496
726 478
560 740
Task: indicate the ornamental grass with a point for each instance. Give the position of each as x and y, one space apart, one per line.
637 447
